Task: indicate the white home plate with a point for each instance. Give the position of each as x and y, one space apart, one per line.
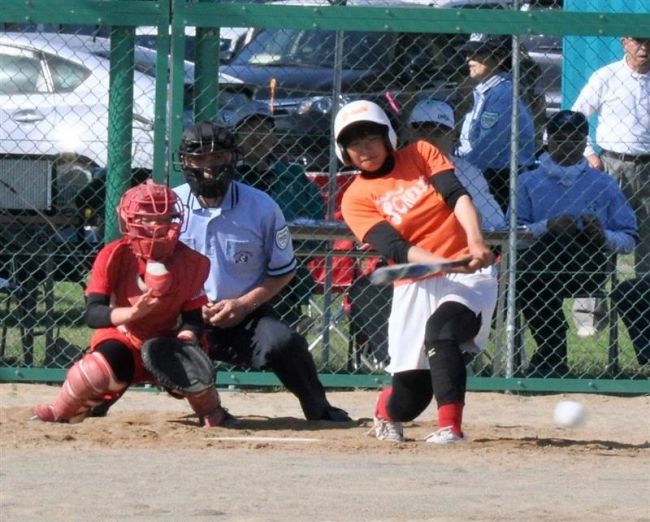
264 439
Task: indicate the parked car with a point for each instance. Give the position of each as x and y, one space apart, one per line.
293 70
546 51
231 39
54 114
145 61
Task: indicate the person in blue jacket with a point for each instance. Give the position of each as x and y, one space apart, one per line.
577 215
485 134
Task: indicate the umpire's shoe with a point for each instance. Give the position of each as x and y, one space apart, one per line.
334 414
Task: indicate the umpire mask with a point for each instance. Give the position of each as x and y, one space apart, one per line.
208 154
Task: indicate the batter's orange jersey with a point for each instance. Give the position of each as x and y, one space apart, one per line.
117 272
406 199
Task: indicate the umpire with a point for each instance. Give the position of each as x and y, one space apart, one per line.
243 232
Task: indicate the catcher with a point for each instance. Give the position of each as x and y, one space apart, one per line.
138 288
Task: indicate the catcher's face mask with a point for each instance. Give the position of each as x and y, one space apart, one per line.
150 218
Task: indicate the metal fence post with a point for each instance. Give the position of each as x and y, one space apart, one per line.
160 166
206 72
120 121
331 190
176 89
511 309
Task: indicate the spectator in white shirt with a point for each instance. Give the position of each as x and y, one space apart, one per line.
619 94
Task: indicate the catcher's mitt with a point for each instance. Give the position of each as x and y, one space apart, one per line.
178 366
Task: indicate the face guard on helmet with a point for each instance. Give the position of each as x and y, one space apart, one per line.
358 113
150 217
208 154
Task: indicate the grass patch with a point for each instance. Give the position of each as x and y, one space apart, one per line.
63 319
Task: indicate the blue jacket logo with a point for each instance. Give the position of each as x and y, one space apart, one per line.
489 119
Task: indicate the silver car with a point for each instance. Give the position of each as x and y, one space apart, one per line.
54 117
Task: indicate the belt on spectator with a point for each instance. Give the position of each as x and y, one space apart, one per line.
636 158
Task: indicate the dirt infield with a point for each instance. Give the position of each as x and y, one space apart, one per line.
149 460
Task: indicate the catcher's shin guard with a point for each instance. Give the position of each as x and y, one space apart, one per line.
207 406
87 383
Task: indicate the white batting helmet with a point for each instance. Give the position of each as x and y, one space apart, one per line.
433 111
357 112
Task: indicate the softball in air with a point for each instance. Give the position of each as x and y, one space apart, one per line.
157 278
569 414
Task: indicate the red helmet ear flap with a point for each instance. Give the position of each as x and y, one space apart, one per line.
150 217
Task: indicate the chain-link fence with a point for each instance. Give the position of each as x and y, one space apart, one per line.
486 81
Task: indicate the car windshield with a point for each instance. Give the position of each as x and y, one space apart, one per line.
361 50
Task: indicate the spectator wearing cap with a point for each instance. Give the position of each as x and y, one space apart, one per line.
577 215
261 167
433 121
259 164
485 140
619 94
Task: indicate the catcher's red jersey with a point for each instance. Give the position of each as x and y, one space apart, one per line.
407 200
117 272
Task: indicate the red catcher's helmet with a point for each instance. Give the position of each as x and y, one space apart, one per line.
150 217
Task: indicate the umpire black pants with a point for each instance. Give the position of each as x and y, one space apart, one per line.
262 341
